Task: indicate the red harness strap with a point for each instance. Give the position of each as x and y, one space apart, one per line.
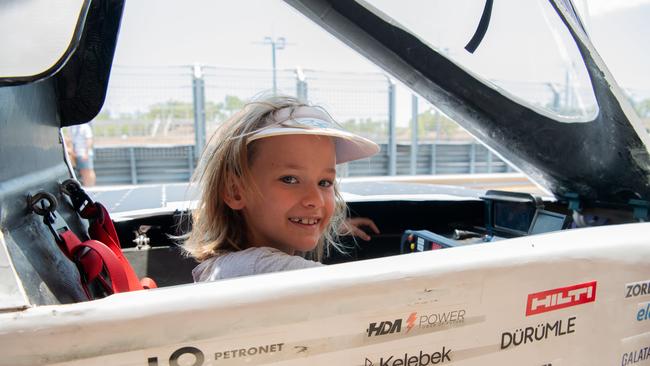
93 261
102 230
100 260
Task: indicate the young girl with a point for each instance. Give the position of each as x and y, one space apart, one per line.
269 191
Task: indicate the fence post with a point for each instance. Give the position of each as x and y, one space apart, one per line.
198 97
472 158
343 170
190 159
489 161
434 147
414 134
134 171
392 143
301 85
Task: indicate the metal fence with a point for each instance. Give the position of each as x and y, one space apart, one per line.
168 164
175 104
181 105
144 164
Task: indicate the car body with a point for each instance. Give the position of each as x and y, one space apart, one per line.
516 293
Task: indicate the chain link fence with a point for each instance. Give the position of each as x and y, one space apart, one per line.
181 106
156 105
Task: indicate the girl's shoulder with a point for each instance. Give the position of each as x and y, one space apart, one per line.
248 262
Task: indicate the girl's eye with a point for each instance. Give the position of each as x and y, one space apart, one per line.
325 183
289 179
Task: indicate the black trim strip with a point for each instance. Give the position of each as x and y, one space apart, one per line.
482 28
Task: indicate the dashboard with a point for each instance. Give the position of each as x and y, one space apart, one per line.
507 215
406 226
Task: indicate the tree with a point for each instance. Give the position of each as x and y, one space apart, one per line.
428 120
177 110
102 116
171 109
365 126
643 108
232 104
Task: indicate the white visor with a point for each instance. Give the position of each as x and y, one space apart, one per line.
315 121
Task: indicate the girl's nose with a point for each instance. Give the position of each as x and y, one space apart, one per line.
313 198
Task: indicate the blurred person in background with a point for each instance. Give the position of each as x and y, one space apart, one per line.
82 148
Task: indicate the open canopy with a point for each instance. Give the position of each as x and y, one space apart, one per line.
471 60
596 150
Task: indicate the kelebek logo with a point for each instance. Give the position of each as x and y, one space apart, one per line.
560 298
424 358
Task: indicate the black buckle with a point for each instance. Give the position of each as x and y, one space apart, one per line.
45 204
80 199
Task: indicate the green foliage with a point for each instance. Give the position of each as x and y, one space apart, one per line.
177 110
102 116
427 124
365 126
232 104
171 109
643 108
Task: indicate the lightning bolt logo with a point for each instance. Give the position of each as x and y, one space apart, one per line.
410 321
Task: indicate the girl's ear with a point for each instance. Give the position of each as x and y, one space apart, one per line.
234 194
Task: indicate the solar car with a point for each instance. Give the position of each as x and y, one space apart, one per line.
459 277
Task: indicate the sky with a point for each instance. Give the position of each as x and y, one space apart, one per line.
227 33
231 34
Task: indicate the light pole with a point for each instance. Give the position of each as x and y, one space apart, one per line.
276 44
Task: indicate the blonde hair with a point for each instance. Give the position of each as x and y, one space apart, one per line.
218 229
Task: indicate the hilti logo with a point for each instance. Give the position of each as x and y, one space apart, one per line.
560 298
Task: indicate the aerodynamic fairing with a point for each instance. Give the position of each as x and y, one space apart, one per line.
457 276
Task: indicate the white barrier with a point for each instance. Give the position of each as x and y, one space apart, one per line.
577 297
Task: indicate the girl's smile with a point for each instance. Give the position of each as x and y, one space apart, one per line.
304 221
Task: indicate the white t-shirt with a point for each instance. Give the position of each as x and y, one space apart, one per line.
248 262
80 136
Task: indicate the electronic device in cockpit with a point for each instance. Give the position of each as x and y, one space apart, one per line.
507 215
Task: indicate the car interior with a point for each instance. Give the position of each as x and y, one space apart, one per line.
73 91
406 226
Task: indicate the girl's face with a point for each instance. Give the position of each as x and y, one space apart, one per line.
295 177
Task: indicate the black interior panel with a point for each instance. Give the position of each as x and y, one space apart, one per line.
165 263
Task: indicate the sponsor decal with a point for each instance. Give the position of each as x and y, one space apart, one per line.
198 357
560 298
416 320
630 358
186 352
410 321
390 327
247 352
421 359
637 289
539 333
441 319
644 311
384 327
